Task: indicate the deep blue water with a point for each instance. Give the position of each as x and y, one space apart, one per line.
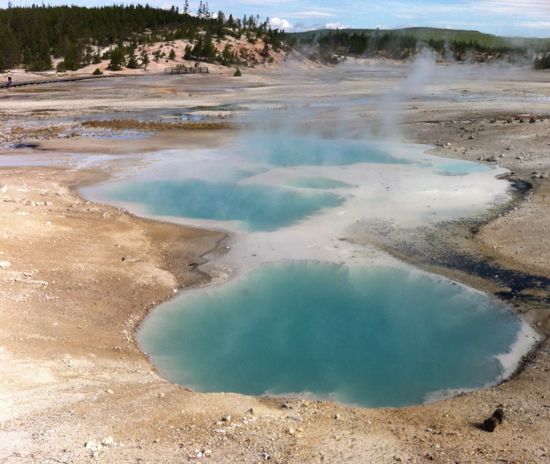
257 207
367 336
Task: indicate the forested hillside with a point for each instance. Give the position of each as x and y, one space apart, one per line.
32 36
328 45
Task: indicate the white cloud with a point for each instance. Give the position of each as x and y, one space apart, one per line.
280 23
537 25
308 14
336 25
521 8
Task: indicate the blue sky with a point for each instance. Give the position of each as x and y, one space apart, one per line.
503 17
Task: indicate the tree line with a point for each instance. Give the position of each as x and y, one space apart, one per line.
329 47
31 36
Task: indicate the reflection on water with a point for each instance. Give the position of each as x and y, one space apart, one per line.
317 183
311 150
369 336
258 207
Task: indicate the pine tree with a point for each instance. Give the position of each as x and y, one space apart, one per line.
188 54
227 54
132 62
172 55
117 59
144 59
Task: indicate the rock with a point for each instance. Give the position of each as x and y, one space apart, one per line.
490 424
226 418
491 159
92 445
4 265
532 120
108 441
499 415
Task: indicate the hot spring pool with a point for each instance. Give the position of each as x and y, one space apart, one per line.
256 207
293 323
369 336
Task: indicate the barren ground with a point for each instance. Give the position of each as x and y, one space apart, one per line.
76 278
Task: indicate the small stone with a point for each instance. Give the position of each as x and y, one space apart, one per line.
226 418
108 441
92 445
4 265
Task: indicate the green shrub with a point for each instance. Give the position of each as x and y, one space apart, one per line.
542 62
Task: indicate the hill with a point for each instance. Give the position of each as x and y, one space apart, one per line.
431 33
73 37
324 44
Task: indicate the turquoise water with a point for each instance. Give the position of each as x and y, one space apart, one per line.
312 150
257 207
459 168
317 183
367 336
